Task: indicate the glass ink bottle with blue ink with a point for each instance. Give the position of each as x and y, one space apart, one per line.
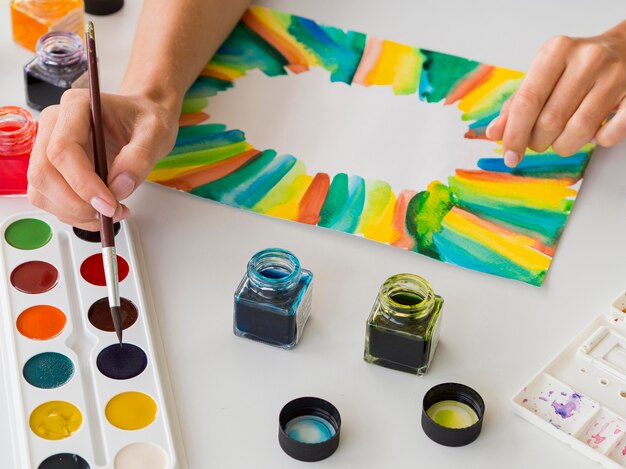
273 301
403 327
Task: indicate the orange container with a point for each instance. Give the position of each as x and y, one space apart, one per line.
31 19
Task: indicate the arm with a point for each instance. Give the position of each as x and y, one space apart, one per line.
572 86
173 42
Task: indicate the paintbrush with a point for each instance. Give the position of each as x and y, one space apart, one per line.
107 235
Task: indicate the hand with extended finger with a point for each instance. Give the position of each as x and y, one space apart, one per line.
573 94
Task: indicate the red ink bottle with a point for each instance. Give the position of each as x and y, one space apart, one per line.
17 135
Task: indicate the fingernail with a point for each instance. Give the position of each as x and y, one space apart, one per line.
511 158
123 185
102 207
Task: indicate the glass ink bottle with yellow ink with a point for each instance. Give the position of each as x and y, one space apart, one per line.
273 300
403 328
31 19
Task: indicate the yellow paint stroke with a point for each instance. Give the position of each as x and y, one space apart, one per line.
377 217
483 96
55 420
398 65
289 210
516 248
532 192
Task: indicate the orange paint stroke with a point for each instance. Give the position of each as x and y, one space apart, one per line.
510 234
313 200
480 175
197 177
399 220
473 135
192 118
212 73
369 59
469 84
297 61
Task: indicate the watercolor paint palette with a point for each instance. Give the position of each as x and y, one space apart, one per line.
580 397
76 396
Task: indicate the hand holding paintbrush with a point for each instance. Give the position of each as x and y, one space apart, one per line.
107 234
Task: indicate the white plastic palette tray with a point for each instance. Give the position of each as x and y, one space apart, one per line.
99 442
580 397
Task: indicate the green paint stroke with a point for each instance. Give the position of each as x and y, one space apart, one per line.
425 214
335 201
205 87
244 50
202 130
344 203
444 72
219 190
338 52
202 157
191 105
250 195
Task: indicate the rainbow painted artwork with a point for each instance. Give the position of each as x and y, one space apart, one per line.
393 141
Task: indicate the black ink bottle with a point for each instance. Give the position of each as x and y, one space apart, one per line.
403 327
60 64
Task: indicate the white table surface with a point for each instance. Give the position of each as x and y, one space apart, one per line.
496 333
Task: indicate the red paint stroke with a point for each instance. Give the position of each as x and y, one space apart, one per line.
313 200
399 220
192 118
476 134
489 176
296 60
187 180
479 76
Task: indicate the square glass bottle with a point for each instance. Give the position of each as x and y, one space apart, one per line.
273 301
403 328
31 19
59 65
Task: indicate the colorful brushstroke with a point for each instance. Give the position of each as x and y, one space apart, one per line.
491 218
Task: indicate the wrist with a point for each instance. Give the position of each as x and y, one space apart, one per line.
167 97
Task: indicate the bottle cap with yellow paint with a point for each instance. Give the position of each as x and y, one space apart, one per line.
452 414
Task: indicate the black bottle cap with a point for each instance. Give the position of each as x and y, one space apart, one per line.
103 7
449 435
315 414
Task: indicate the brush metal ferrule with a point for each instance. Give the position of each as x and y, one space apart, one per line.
109 258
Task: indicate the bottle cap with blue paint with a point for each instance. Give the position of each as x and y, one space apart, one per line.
308 429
